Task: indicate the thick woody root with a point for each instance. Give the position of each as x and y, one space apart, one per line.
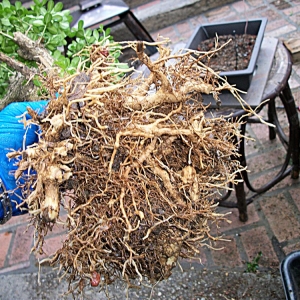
139 162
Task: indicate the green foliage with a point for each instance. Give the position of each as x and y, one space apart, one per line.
81 39
253 265
48 24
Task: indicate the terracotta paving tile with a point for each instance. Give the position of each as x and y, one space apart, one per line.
294 83
275 25
5 239
294 192
281 217
198 20
256 240
184 30
291 248
167 33
281 5
184 27
218 12
284 30
57 229
296 69
229 255
14 221
226 16
22 245
261 134
146 6
271 15
233 217
266 160
296 18
51 245
199 258
258 180
255 3
240 6
292 10
252 145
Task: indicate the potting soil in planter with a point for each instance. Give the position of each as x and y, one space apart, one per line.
233 56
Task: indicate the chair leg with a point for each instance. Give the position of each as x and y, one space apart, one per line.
271 113
241 200
240 187
294 139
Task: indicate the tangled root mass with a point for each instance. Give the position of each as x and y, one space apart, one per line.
135 162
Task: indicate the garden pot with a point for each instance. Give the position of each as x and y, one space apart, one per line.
290 275
240 78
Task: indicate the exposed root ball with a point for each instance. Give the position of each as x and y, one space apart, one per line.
140 163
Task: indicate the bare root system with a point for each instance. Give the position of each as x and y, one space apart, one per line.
136 162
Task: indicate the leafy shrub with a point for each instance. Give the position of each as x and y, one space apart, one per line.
50 25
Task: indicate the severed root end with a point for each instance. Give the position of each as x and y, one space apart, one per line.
50 206
56 175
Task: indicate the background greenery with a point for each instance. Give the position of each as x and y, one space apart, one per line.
46 22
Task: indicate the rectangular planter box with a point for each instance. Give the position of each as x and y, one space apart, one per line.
241 78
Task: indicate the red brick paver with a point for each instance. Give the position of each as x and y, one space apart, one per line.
257 240
281 217
5 239
51 245
22 245
227 253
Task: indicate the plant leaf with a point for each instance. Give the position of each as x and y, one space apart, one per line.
5 22
88 32
58 7
56 54
57 18
37 2
51 47
47 18
69 18
96 34
75 61
64 25
80 25
52 29
50 5
91 40
5 4
18 5
36 82
80 33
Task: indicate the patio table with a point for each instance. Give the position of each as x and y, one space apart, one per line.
274 68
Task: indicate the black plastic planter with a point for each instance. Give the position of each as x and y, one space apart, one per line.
290 275
241 78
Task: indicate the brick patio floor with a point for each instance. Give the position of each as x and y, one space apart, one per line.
274 218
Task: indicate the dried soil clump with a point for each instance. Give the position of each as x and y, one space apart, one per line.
135 161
